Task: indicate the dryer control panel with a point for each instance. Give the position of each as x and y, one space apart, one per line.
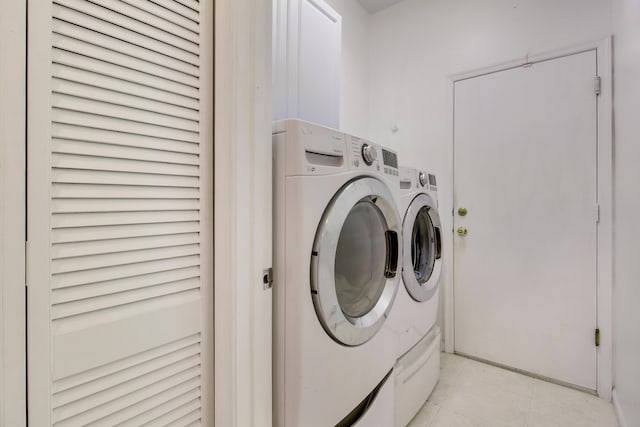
417 180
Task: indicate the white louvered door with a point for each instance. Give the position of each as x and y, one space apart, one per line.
120 213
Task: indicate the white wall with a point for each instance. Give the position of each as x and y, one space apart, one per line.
417 44
626 29
354 105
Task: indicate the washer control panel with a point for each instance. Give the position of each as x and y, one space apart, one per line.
366 155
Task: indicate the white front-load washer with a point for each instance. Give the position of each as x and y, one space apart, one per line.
415 311
337 267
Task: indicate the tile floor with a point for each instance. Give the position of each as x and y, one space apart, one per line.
473 394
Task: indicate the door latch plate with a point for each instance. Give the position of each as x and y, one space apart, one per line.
267 278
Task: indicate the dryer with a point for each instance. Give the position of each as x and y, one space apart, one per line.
414 315
338 261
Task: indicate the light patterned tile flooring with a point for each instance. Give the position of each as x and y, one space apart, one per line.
474 394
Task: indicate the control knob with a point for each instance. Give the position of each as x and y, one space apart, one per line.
369 154
422 178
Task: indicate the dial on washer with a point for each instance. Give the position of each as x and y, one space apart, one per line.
369 154
422 178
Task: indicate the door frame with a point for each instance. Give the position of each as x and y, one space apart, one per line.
242 213
604 172
13 390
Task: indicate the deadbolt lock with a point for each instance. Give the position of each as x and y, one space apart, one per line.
462 231
462 211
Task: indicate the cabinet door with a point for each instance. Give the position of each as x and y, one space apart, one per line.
319 64
307 67
119 259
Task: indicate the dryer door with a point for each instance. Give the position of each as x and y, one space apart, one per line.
355 260
422 248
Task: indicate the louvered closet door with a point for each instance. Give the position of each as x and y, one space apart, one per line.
119 252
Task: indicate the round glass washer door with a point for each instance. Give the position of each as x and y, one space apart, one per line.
355 261
422 248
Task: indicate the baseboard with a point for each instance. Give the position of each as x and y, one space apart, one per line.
529 374
618 410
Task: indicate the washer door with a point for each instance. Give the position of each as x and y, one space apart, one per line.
423 241
354 262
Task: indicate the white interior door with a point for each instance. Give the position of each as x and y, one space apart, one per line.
119 216
525 170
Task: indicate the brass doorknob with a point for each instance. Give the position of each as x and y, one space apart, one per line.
462 231
462 211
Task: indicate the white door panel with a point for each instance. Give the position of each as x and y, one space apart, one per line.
119 220
525 169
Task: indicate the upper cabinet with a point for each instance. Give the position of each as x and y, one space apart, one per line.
307 61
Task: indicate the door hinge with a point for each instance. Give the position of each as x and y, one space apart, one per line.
597 337
596 213
597 85
267 278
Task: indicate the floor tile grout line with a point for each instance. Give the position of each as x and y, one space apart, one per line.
528 424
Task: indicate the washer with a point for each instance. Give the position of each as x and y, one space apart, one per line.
415 312
338 261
